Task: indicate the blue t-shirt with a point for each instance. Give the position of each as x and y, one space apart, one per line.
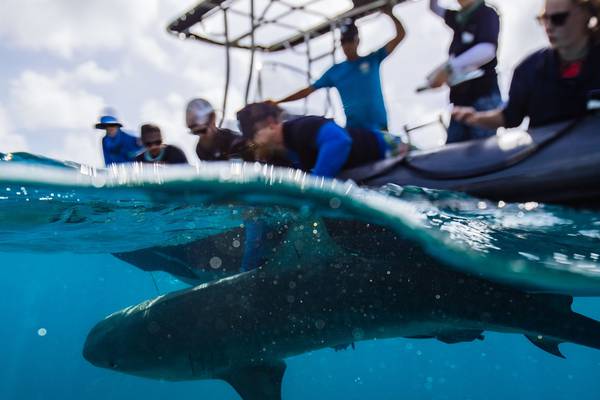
359 85
122 148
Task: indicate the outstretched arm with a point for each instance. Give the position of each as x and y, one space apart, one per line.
400 31
493 119
300 94
334 146
436 8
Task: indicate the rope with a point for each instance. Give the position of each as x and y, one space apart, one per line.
252 52
227 66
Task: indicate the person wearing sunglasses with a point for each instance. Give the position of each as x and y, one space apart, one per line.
214 143
476 28
552 84
358 78
314 144
156 151
118 146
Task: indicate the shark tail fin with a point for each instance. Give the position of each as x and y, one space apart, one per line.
547 344
257 382
569 327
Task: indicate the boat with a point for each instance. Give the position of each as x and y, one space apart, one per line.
557 164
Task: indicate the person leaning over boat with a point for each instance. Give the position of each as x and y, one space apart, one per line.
156 151
214 144
474 46
552 84
314 144
117 146
358 78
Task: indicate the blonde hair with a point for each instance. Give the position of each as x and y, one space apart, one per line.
593 7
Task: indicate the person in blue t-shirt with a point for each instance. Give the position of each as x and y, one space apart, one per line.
474 46
314 144
553 84
358 78
117 146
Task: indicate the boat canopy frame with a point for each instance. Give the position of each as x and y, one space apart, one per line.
181 27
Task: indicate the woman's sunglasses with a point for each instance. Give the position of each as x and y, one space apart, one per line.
557 20
153 143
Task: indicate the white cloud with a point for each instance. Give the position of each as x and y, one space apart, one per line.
46 102
64 27
92 73
9 141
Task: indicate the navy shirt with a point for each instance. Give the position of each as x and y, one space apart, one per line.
359 84
481 26
324 148
539 91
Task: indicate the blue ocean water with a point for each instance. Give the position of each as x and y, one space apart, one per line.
60 226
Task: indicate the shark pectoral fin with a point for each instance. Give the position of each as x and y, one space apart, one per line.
342 347
547 344
257 382
460 337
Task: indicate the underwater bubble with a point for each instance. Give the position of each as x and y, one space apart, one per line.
358 334
236 243
215 262
481 205
335 202
42 332
320 324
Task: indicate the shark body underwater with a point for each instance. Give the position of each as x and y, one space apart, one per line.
316 294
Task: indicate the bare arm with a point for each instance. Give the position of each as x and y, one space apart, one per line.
400 31
435 7
300 94
493 119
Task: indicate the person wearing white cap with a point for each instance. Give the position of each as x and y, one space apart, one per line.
117 146
214 144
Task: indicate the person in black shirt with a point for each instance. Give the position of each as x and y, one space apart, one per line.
555 83
314 144
156 151
214 144
476 28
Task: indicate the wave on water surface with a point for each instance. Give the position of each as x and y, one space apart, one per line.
50 206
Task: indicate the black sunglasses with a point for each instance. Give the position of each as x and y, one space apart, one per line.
153 143
198 130
558 19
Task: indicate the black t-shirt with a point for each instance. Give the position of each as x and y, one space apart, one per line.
227 145
169 155
482 26
539 91
300 136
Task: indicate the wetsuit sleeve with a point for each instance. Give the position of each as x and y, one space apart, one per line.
255 244
324 81
516 108
333 144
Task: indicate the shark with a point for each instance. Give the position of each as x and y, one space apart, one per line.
317 294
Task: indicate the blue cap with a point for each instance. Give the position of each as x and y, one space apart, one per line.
108 120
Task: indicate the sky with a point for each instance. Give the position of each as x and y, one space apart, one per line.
65 61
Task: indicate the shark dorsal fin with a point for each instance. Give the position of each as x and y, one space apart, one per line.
257 382
547 344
